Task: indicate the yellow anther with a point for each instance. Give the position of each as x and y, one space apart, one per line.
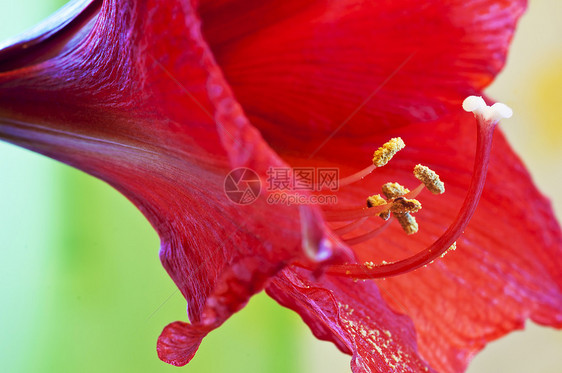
403 205
377 200
408 223
385 153
394 190
430 179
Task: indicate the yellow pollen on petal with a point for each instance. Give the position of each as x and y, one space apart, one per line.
377 200
430 179
408 223
394 190
453 247
385 153
403 205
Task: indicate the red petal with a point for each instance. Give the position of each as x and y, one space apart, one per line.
301 69
179 342
355 318
139 102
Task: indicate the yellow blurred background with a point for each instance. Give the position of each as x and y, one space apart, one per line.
82 289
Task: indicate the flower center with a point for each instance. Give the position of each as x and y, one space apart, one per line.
399 203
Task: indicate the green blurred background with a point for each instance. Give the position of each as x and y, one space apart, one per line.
82 289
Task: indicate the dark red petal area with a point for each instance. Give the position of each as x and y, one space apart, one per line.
507 265
47 39
137 100
354 316
302 68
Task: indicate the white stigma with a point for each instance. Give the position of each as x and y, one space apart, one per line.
494 113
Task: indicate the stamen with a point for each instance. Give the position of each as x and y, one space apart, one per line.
402 207
367 236
485 130
380 158
357 176
350 227
430 179
414 193
408 223
385 153
377 200
353 213
394 190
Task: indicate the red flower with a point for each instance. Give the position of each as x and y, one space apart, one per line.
162 100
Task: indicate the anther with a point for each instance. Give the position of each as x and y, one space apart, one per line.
377 200
408 223
394 190
385 153
430 179
403 205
